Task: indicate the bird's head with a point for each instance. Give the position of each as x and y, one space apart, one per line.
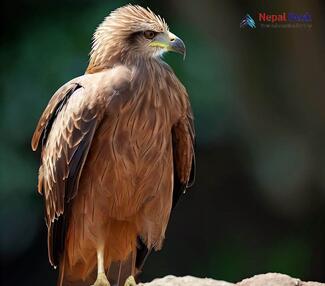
131 33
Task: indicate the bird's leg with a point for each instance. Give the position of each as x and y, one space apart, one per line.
101 277
130 281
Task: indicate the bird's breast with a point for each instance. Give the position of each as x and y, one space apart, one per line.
130 161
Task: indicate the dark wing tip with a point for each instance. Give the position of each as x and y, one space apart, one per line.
34 142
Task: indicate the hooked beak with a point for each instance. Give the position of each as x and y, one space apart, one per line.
170 42
176 45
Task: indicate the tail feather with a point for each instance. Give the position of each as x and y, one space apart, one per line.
61 271
121 270
142 254
66 278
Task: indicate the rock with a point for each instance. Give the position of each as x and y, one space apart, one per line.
268 279
171 280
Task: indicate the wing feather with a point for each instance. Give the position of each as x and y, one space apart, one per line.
183 156
183 137
54 106
66 130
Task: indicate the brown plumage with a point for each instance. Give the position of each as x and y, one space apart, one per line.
117 152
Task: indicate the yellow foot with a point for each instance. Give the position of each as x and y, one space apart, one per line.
130 281
101 280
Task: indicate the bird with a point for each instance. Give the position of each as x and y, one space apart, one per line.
117 152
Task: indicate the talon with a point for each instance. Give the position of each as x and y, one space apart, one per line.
130 281
101 280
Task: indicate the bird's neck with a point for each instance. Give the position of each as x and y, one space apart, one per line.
99 62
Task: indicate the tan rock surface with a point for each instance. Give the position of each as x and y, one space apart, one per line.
268 279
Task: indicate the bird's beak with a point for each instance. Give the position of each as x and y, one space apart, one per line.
176 44
170 42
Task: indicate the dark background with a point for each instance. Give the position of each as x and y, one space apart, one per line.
258 204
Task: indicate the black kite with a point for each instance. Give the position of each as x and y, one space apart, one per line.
117 152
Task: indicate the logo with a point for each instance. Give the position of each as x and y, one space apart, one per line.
284 17
278 20
247 22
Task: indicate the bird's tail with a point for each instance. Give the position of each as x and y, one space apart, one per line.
61 272
64 278
121 270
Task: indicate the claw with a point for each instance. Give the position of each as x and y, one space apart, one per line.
101 280
130 281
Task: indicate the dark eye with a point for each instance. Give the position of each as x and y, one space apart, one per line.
149 34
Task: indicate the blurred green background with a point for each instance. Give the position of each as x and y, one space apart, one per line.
258 204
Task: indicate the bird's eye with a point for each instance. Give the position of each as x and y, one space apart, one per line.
149 34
